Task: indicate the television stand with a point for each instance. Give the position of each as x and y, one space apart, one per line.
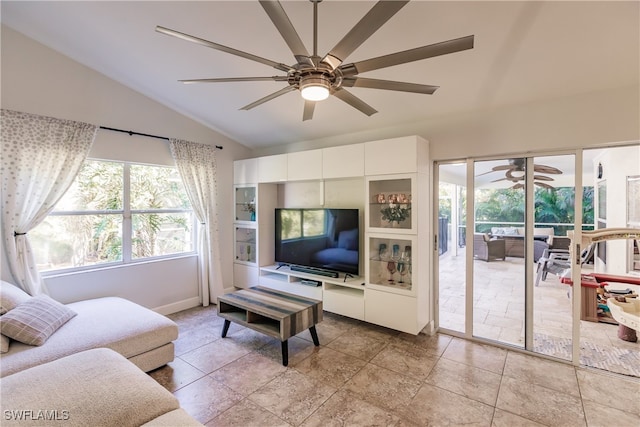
340 295
314 270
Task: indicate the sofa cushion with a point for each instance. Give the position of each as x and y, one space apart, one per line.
4 344
112 322
177 417
92 388
35 320
11 296
504 231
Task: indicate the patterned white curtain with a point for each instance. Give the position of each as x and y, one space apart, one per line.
197 166
40 158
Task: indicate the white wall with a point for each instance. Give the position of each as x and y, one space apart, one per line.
36 79
587 120
617 164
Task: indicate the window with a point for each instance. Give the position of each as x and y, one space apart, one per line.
116 213
299 223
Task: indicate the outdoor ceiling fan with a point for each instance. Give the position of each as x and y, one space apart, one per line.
517 166
318 77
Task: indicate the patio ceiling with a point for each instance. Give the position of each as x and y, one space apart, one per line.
456 173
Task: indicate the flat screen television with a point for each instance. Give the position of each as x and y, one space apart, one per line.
323 239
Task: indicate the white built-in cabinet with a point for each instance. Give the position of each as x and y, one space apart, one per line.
272 168
304 165
345 161
394 287
253 233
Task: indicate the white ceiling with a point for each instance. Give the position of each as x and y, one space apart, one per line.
524 51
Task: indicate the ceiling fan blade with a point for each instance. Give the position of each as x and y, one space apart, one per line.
222 48
309 106
547 169
518 186
424 52
355 102
542 178
283 24
513 179
269 97
237 79
496 169
380 13
388 85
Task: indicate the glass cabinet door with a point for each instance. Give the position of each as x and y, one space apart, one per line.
390 202
245 203
390 263
245 241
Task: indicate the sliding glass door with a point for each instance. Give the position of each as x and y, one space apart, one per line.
499 249
451 265
499 278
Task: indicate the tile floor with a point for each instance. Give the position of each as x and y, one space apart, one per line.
499 305
364 375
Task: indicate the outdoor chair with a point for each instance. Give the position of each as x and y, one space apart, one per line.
559 242
558 262
488 249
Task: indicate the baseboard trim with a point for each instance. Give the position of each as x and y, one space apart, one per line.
178 306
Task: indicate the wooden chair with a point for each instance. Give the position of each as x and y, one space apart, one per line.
488 249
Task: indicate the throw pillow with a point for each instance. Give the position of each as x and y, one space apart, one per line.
348 239
4 344
11 296
35 320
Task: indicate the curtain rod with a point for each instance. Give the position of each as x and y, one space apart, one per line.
130 132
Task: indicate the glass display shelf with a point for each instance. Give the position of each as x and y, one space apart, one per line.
246 244
390 263
245 203
390 203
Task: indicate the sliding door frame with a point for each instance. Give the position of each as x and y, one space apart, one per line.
529 266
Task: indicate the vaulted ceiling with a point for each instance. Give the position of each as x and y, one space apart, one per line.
524 52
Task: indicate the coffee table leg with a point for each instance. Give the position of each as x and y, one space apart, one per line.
285 353
225 328
314 335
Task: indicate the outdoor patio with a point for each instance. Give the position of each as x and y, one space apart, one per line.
498 313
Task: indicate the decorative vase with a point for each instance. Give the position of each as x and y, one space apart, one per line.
253 216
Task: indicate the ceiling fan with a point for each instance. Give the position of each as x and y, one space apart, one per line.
318 77
518 166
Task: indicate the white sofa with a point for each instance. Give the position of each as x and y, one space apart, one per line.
90 371
139 334
96 387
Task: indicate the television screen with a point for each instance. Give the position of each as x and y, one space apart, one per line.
327 239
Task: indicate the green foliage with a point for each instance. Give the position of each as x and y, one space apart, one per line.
395 213
551 206
95 235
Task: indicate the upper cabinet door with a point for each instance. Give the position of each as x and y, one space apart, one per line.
343 162
245 171
408 154
304 165
272 168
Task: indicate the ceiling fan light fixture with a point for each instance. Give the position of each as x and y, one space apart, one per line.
315 87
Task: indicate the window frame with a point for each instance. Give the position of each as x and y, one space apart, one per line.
126 214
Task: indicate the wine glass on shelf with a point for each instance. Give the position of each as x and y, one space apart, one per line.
395 255
382 251
402 269
391 268
241 252
249 253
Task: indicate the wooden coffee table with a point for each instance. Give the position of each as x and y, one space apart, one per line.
274 313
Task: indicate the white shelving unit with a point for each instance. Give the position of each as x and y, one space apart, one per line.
253 237
396 174
340 296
